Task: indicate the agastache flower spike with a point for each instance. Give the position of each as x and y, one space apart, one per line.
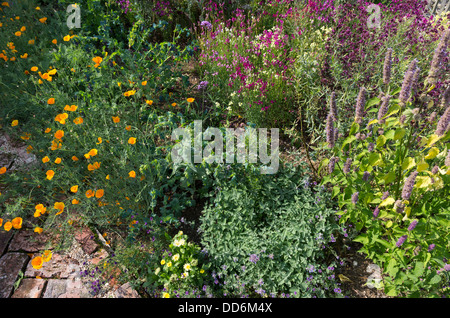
412 225
333 108
438 56
443 123
355 197
383 109
387 66
447 159
408 82
348 164
408 186
360 103
330 131
401 240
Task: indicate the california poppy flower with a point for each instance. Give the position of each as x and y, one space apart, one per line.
59 134
17 223
45 159
2 170
37 262
99 193
132 140
74 189
51 100
38 230
190 100
50 174
42 20
59 206
132 174
90 193
14 123
47 255
116 119
7 226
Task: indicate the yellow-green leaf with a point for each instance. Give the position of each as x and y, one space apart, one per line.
422 181
408 163
422 166
433 138
387 201
432 153
372 122
374 159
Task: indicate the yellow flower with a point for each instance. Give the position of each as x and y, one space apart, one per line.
5 4
24 56
74 158
52 72
78 121
59 206
42 20
58 160
128 128
132 174
31 42
45 159
37 262
174 104
169 264
166 295
2 170
50 174
71 108
107 177
40 209
144 83
119 84
38 230
74 189
163 262
37 8
149 102
132 140
190 100
75 201
92 152
202 271
66 38
187 267
18 33
92 167
8 226
23 29
99 140
17 223
116 119
47 255
54 41
129 93
14 123
50 101
1 222
176 257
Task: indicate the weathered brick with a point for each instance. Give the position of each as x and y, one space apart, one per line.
30 288
10 266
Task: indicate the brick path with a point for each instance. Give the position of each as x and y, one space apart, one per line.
58 278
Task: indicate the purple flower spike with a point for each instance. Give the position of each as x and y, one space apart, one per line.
401 240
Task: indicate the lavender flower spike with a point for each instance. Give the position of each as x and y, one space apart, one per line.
408 82
408 186
360 103
412 225
443 123
438 57
387 66
333 108
348 164
330 131
355 197
401 240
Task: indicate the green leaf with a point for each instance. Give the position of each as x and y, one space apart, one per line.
389 134
399 133
354 128
348 140
392 268
381 140
372 101
435 279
